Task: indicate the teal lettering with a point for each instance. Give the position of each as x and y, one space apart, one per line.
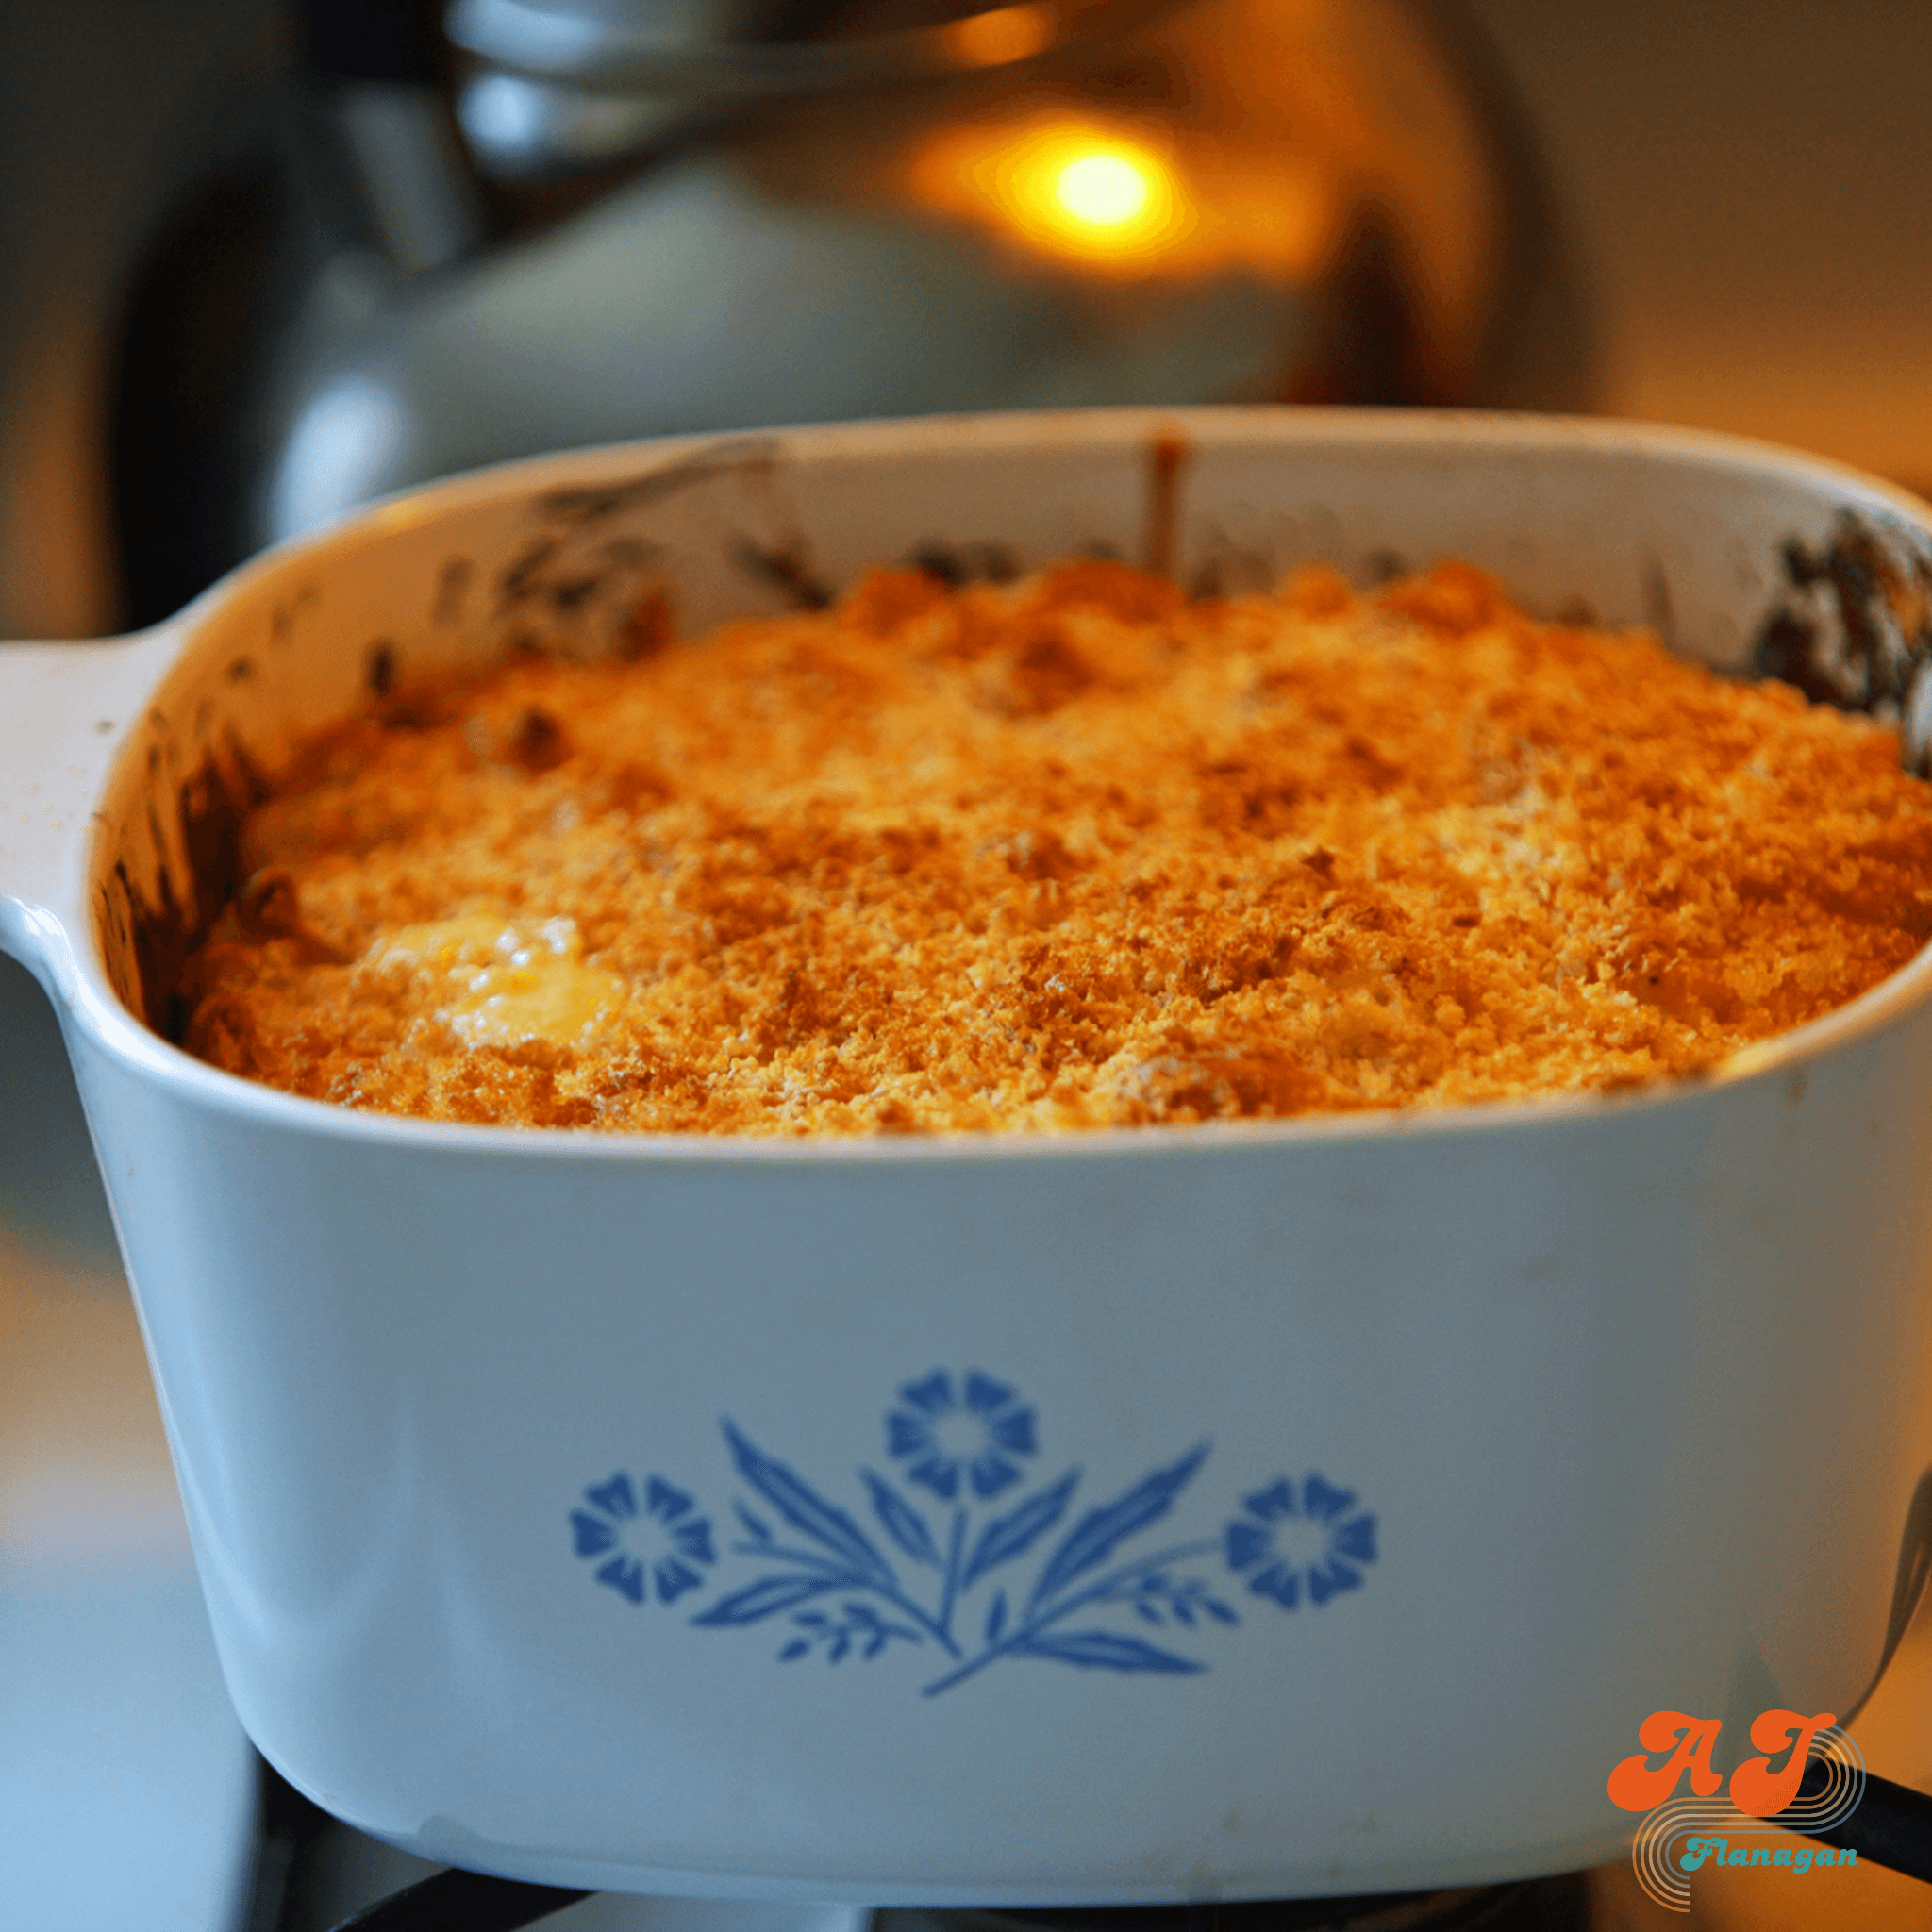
1822 1859
1696 1852
1848 1857
1761 1856
1740 1856
1782 1856
1802 1861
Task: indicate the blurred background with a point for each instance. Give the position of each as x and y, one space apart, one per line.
260 261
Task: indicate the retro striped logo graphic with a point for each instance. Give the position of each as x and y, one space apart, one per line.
1682 1835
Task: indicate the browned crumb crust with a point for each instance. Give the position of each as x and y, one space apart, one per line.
1071 854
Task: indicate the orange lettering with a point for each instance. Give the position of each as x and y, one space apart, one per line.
1756 1789
1636 1785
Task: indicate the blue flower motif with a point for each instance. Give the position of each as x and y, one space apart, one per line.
656 1549
938 1435
1285 1543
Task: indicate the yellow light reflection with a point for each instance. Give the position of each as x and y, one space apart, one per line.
1066 186
1092 193
1118 197
1103 189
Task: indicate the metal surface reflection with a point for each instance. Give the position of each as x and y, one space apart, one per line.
724 217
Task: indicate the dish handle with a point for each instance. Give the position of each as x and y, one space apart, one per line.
65 708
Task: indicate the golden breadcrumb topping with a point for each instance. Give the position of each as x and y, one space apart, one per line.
1071 853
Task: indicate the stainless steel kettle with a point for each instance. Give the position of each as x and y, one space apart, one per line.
549 222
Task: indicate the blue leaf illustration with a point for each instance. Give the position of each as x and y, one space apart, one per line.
804 1509
755 1527
904 1524
996 1617
1100 1532
858 1626
757 1601
1101 1650
1009 1535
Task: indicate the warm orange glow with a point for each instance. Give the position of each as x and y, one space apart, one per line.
1000 38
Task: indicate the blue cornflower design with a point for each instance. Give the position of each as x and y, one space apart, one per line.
642 1551
939 1435
1286 1543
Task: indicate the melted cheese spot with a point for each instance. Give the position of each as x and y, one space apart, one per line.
506 983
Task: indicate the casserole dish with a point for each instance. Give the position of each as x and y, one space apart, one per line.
1304 1506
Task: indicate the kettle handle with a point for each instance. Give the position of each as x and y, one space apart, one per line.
65 711
1885 1823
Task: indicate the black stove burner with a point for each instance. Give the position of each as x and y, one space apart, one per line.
458 1901
1537 1905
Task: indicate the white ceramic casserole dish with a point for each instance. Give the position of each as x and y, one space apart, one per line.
1309 1506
